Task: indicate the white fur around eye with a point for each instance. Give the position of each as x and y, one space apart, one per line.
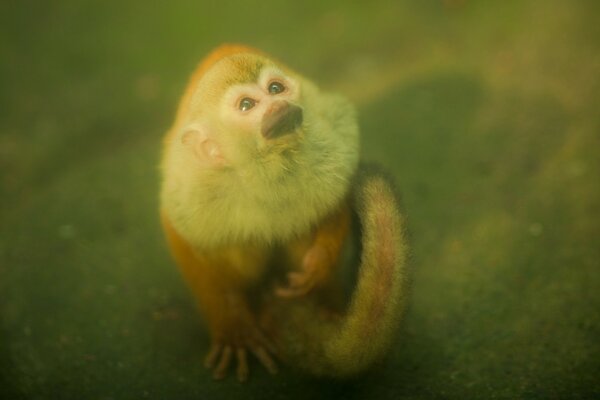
232 98
271 74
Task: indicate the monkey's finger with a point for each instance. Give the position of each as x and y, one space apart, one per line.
221 370
300 283
265 359
213 354
286 292
297 279
293 291
265 341
242 365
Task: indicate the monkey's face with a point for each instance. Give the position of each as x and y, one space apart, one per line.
266 106
245 108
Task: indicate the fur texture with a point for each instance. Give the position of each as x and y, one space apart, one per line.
235 202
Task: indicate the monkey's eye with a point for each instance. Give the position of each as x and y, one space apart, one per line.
246 103
276 87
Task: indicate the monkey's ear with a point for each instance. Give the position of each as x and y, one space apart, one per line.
206 149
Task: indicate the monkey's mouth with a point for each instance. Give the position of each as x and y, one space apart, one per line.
281 119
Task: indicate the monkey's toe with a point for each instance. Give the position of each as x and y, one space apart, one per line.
234 347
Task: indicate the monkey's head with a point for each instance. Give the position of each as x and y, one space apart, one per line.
256 152
247 109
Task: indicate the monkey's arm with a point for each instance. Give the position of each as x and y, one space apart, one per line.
221 297
319 257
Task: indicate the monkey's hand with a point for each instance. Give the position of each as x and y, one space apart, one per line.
315 271
233 335
321 257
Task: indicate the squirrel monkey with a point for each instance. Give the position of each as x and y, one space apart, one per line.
260 185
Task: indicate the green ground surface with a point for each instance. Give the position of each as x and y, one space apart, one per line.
487 113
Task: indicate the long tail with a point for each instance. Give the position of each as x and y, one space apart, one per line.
345 346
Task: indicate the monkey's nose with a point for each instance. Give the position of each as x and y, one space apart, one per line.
281 118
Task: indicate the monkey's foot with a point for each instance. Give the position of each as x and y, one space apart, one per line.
316 267
236 343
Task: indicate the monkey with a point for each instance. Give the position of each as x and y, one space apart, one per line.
262 189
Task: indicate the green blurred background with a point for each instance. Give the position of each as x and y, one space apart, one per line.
487 113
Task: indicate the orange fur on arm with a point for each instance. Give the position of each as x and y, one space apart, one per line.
196 272
318 256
